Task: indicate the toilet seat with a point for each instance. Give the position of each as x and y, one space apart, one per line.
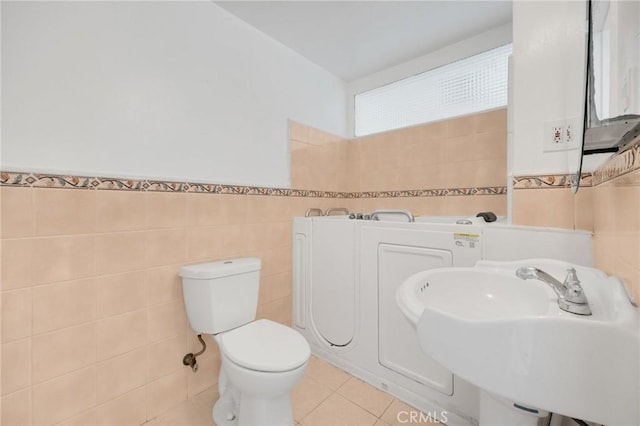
265 345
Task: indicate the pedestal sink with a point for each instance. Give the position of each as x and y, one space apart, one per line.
508 336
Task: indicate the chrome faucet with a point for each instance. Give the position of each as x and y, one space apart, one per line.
571 297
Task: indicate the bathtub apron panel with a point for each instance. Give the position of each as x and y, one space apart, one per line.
398 347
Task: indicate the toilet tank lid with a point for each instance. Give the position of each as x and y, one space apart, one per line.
223 268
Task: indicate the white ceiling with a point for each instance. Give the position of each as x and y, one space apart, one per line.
352 39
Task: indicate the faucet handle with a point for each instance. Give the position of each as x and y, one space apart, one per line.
573 289
571 280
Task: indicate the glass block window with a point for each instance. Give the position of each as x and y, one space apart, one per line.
470 85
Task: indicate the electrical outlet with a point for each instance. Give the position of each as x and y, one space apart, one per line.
561 135
571 132
567 134
557 135
554 139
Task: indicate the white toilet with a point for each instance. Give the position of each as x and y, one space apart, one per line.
261 360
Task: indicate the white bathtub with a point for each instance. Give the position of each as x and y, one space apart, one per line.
345 276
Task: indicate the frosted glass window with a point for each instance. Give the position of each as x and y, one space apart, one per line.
473 84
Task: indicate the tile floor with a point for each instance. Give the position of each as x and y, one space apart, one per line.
326 396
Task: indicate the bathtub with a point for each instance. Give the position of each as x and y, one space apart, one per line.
346 272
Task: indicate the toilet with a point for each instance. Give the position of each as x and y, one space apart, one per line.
262 360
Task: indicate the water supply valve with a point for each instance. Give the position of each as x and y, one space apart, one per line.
190 359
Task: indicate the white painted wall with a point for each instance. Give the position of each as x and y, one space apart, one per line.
169 90
549 47
480 43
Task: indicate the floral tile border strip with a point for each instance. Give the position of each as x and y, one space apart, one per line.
618 165
35 180
444 192
550 181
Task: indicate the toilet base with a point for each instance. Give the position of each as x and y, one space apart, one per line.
225 412
261 411
252 410
254 398
235 408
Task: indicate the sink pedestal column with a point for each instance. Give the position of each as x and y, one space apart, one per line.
495 410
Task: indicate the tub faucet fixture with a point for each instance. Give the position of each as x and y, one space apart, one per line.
571 297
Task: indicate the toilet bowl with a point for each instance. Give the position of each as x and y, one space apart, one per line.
262 360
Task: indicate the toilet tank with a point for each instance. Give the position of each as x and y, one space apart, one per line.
220 296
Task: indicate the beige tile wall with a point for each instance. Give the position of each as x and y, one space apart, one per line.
458 153
93 323
616 225
611 210
318 159
554 207
462 152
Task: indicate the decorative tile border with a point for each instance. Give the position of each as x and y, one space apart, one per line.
627 179
550 181
444 192
618 165
35 180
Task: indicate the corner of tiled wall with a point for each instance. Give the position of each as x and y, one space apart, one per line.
616 218
318 159
553 207
609 206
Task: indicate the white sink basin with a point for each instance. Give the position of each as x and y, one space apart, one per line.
509 337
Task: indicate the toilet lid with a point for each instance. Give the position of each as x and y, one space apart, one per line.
264 345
